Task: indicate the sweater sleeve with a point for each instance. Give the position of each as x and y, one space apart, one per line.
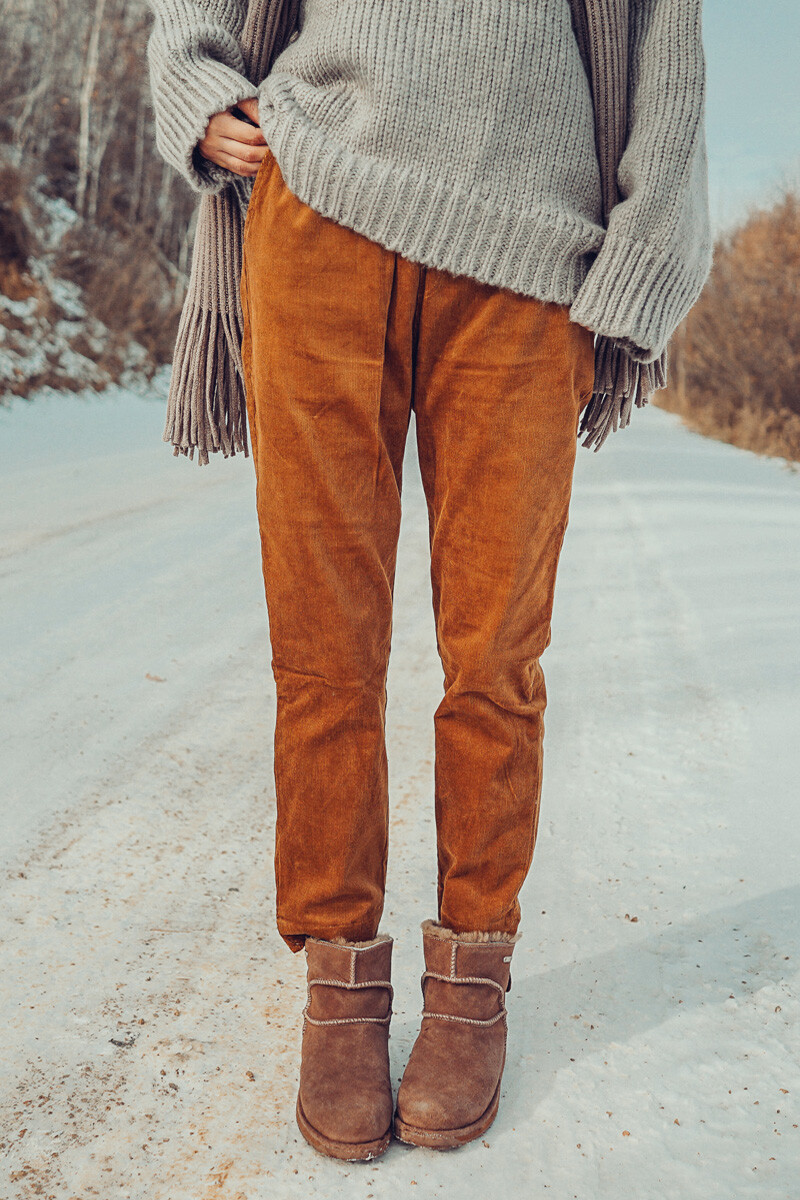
656 254
196 70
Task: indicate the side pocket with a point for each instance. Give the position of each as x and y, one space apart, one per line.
585 372
247 359
264 167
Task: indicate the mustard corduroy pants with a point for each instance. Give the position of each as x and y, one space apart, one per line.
343 338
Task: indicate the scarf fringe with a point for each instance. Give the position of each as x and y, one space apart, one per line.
206 408
206 405
619 383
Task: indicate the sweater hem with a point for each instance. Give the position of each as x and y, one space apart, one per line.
540 254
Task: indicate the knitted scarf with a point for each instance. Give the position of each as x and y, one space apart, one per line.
206 408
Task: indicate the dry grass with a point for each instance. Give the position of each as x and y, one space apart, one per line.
735 361
16 243
126 284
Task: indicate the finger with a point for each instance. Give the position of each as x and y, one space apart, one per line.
248 154
250 107
225 124
237 165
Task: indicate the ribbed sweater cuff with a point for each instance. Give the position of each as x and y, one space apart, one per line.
186 106
635 295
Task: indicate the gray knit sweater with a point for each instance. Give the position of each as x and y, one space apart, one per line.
460 133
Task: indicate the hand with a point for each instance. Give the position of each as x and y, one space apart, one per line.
233 143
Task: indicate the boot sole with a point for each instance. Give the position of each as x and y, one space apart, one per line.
349 1151
447 1139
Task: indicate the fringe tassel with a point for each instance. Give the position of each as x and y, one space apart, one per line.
619 383
206 406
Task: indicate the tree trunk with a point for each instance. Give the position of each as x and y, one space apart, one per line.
85 106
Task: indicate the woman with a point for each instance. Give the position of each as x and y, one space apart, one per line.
429 229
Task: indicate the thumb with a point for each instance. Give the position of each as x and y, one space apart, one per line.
250 108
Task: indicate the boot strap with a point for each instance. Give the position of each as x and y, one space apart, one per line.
464 979
349 1020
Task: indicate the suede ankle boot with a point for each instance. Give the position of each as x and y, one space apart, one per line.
344 1104
450 1091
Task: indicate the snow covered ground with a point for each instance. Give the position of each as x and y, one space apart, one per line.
151 1015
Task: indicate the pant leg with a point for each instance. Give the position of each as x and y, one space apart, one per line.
501 381
326 355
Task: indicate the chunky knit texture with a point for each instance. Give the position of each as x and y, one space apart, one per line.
460 133
464 140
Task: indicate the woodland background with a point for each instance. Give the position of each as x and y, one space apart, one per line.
95 229
96 235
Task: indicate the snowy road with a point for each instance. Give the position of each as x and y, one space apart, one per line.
151 1014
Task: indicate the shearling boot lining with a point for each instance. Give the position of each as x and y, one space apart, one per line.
342 941
435 929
